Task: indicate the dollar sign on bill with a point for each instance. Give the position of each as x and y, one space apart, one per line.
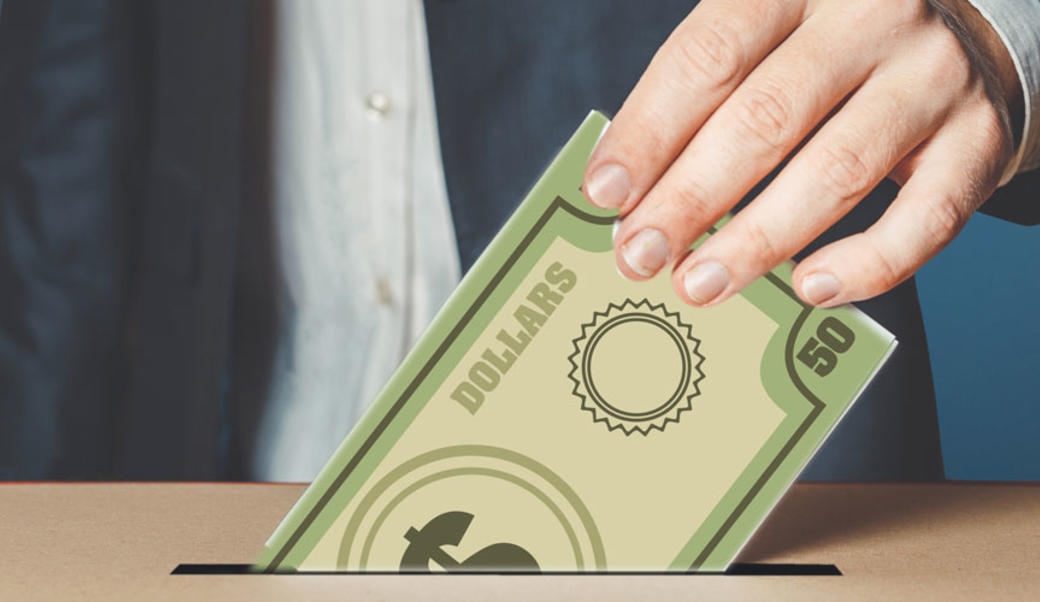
448 528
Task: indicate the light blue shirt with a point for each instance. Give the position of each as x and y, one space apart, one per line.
366 245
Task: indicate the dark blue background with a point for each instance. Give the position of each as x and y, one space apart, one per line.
979 298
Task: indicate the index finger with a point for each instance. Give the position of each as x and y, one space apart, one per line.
697 67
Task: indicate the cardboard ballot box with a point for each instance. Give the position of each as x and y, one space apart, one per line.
124 541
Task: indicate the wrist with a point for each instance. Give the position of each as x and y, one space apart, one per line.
993 59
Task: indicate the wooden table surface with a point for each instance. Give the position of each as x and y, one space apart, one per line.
120 541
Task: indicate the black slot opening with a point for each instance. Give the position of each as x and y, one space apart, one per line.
735 569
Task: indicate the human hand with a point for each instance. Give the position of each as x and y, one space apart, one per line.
852 92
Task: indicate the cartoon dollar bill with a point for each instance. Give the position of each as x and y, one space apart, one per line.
557 417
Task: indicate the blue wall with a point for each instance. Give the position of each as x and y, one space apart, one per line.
981 302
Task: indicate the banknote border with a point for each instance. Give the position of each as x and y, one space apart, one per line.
560 203
817 408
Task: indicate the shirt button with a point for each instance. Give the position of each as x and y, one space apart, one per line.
384 292
378 104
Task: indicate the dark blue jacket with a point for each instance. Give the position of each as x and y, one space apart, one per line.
135 255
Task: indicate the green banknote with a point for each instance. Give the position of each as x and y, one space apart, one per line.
557 417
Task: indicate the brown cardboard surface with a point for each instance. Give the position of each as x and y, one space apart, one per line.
119 541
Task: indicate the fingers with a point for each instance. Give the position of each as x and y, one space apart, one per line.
957 170
736 89
761 122
842 162
703 60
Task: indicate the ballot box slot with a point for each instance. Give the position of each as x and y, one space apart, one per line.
741 569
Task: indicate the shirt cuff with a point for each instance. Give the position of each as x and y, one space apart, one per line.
1017 22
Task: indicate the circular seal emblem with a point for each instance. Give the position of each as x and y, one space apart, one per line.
636 367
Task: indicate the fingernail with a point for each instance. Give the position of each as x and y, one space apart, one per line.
608 186
706 281
646 252
820 287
